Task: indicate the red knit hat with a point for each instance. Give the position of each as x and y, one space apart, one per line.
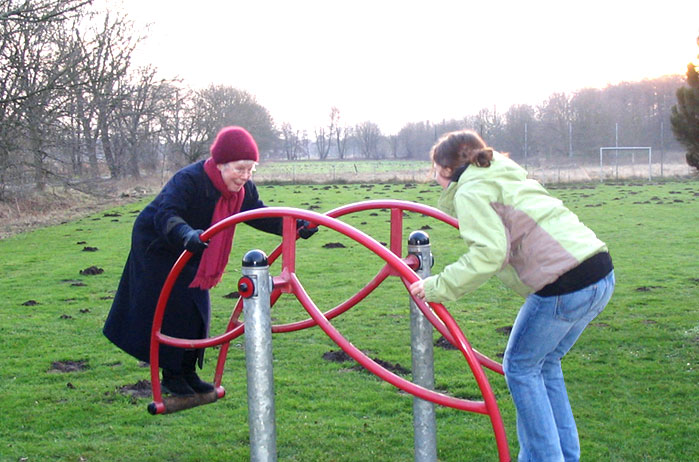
234 143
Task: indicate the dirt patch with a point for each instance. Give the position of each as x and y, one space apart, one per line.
337 356
647 288
340 357
68 366
444 344
504 330
395 368
334 245
92 270
140 389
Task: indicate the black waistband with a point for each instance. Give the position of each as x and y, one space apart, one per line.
588 272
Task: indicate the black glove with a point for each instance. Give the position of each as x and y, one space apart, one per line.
192 241
303 228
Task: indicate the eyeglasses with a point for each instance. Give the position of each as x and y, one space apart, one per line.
244 171
239 170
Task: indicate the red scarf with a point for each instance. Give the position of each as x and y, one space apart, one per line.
215 257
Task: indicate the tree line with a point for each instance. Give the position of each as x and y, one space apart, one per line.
564 127
74 108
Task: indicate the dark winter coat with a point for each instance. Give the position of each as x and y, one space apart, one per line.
189 196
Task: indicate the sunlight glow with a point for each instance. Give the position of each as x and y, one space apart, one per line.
394 62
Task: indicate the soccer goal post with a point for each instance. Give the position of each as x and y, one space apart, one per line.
623 150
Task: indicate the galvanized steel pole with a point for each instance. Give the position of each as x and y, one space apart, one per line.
424 420
256 286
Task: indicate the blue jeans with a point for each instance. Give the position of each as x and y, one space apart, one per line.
545 329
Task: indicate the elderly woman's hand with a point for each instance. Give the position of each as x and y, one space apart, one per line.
193 243
305 230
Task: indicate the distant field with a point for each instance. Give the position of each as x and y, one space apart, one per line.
69 395
349 171
367 171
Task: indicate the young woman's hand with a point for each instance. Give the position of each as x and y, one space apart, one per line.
417 289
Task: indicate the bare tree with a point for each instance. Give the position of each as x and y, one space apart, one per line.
368 135
35 65
415 139
182 130
555 117
323 141
136 122
326 140
104 47
63 64
489 124
342 133
394 144
304 145
27 12
291 141
519 125
223 105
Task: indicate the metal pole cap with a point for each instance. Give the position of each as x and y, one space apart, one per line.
255 259
418 238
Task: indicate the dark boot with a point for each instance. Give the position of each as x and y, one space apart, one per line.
176 384
189 362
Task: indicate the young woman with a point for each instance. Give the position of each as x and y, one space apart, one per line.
518 232
195 198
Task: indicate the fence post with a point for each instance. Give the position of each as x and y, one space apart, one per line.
255 286
424 420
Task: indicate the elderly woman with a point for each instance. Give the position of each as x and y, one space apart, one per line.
195 198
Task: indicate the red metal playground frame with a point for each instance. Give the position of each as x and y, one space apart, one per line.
287 282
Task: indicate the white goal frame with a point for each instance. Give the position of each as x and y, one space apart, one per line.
624 148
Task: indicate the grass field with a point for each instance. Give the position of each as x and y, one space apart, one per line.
632 377
343 171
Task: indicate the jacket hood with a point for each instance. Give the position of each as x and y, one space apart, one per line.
502 168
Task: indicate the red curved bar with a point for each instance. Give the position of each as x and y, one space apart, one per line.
341 308
375 368
394 205
157 324
488 406
312 217
430 212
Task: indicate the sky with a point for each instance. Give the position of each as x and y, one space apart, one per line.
398 62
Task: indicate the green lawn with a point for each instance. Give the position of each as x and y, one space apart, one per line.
632 377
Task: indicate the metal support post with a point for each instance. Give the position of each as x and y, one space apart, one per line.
424 420
256 287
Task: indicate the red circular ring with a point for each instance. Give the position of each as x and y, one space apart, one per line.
247 291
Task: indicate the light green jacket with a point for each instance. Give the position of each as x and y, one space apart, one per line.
513 228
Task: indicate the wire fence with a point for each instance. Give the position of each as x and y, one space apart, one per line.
638 168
